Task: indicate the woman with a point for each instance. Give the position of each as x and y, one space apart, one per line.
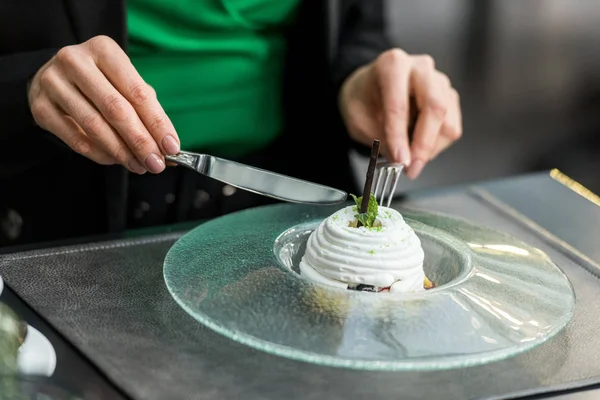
95 93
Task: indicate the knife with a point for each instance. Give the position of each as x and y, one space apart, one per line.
258 180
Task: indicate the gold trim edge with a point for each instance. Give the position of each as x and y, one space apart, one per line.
575 186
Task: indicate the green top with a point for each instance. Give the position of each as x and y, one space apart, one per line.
216 66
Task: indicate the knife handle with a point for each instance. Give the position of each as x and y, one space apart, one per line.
186 159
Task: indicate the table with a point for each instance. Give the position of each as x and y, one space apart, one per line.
547 199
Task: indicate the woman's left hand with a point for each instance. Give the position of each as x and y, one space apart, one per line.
375 102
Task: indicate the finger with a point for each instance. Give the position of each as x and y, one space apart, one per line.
364 127
443 80
393 73
441 145
115 109
431 99
452 127
120 114
119 70
65 128
99 155
74 104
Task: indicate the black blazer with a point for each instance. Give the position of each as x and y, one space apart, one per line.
48 192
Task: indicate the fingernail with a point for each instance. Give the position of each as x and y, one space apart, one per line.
154 163
136 167
170 145
403 156
415 169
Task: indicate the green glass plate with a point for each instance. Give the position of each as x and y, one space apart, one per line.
496 296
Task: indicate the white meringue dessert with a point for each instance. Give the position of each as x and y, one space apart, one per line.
383 254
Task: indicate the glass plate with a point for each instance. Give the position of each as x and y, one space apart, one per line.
496 296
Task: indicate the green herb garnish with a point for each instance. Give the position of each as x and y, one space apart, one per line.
366 219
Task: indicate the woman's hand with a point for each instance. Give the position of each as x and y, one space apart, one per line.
92 98
375 102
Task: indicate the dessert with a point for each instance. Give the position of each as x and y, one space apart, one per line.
374 251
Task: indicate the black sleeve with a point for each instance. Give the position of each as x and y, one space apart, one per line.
362 36
22 143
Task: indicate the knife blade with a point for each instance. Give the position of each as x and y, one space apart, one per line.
260 181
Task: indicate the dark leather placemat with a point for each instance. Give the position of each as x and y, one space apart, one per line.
110 300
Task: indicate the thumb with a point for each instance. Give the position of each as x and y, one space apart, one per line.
362 125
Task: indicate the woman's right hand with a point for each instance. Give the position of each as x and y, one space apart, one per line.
92 98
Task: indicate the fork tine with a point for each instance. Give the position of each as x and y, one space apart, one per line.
395 183
387 176
384 189
377 182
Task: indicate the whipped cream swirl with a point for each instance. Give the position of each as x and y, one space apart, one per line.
389 255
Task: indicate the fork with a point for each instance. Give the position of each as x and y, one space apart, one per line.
387 174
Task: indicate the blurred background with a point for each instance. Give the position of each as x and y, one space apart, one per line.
529 77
